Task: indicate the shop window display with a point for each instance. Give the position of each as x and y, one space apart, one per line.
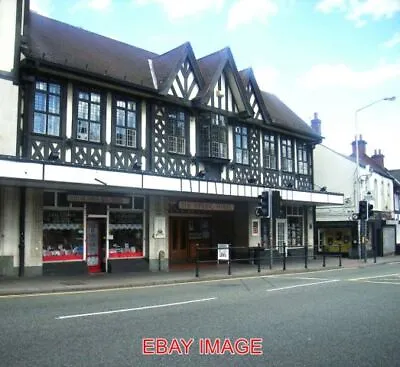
125 235
62 235
295 232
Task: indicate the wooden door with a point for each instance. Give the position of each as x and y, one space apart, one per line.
178 239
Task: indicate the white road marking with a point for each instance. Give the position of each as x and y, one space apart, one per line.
374 277
388 282
177 284
307 278
135 308
302 285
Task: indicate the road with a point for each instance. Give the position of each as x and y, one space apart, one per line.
344 317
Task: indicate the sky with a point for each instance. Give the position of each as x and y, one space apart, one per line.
332 57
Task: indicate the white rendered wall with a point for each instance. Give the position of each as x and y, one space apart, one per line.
158 213
9 223
33 228
8 91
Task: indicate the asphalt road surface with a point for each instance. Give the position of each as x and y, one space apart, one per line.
344 317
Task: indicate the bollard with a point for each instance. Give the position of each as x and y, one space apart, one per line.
365 251
284 256
305 256
374 250
323 256
340 255
161 257
197 260
259 259
229 259
271 255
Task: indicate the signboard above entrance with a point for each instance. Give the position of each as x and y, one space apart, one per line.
99 199
197 205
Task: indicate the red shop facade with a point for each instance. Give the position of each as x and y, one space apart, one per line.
92 233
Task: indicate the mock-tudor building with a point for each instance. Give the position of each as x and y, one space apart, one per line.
114 158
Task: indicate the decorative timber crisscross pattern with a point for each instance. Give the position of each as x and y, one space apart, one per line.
184 85
88 155
125 159
41 149
252 171
164 163
253 102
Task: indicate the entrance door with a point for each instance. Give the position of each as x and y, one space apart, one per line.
94 244
178 243
281 234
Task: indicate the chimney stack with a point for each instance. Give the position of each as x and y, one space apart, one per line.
362 147
378 158
316 124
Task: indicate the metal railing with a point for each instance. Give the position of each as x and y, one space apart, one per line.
255 256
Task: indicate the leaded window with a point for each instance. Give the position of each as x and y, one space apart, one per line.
287 155
241 145
46 109
303 159
176 130
214 136
270 151
125 116
89 116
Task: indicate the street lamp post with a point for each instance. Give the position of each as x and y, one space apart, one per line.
358 190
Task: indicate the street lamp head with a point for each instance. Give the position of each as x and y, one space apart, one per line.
390 98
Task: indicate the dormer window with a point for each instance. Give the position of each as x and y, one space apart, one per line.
213 136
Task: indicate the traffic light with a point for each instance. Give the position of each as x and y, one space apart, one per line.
275 204
370 210
262 209
362 209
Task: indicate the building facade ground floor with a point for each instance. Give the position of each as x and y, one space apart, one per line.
342 237
68 220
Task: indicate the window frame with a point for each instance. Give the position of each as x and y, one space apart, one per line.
208 120
287 148
304 149
271 142
102 121
242 137
124 98
174 121
62 109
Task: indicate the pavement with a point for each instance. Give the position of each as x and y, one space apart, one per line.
183 274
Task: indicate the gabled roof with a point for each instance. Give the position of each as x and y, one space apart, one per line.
211 67
282 116
247 76
72 47
168 65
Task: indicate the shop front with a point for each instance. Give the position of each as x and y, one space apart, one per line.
90 234
204 224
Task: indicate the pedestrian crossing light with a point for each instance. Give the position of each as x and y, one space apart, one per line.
370 210
362 209
262 209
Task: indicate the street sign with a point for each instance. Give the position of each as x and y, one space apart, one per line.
223 252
